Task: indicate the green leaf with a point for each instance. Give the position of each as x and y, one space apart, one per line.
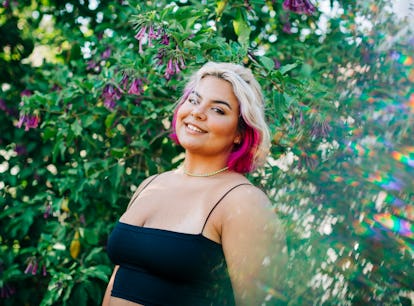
267 62
101 272
242 29
286 68
109 120
118 152
76 128
279 102
88 120
306 70
49 133
91 236
116 174
80 294
221 5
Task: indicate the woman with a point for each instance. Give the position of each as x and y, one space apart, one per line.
202 234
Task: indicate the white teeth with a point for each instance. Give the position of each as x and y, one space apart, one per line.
193 128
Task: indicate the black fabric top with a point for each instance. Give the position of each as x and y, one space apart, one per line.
162 267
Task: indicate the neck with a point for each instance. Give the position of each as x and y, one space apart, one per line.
203 167
207 173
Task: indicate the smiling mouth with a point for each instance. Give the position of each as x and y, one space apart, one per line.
194 128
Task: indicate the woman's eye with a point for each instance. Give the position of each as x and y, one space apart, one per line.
218 110
192 100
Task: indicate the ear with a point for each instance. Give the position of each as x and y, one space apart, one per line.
237 139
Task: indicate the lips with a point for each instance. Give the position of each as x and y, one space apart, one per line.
194 128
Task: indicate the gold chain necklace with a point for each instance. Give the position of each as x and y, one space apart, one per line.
206 174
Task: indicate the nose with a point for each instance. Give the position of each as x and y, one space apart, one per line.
198 113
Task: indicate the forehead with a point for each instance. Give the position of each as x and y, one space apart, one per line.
216 89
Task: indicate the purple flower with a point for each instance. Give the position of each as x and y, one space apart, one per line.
6 3
20 150
35 266
299 6
182 64
174 66
287 28
26 93
177 68
47 212
170 69
110 94
106 54
125 80
248 5
140 36
3 105
165 39
93 65
44 271
136 87
30 122
29 268
151 35
276 63
160 56
56 87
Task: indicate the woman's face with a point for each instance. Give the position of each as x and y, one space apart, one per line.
207 120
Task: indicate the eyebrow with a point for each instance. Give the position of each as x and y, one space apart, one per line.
214 101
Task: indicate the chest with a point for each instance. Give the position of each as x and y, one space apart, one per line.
172 207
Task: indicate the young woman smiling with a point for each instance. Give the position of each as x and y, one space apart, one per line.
202 234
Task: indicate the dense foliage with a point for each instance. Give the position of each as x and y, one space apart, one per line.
86 98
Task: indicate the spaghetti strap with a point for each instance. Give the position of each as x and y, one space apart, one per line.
218 202
145 186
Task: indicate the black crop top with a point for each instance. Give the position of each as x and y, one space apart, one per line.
162 267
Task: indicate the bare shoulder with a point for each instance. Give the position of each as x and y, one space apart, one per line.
248 209
246 199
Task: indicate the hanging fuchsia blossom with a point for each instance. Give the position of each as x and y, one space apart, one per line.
165 39
151 35
144 37
170 69
136 87
140 36
125 81
299 6
174 66
111 94
160 56
29 121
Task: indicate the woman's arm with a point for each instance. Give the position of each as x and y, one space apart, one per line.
107 295
255 248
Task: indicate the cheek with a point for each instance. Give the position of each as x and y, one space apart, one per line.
180 113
